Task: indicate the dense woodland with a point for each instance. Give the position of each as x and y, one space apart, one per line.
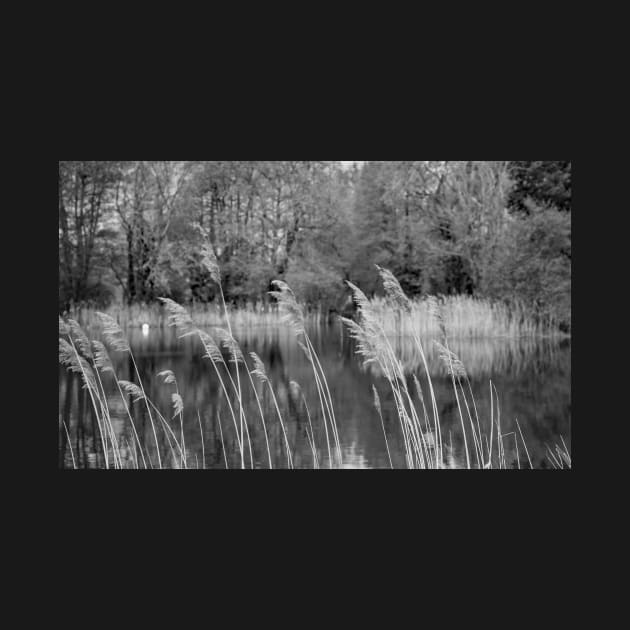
130 232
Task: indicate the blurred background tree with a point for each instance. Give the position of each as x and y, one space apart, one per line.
487 228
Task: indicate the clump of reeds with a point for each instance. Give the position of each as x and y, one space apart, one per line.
417 413
224 353
420 426
293 314
560 456
462 315
375 347
252 315
91 360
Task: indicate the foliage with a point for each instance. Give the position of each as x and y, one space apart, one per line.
495 229
534 267
546 183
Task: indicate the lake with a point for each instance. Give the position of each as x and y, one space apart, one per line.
532 378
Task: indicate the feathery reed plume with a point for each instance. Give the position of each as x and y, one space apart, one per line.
178 316
394 291
80 337
178 404
367 316
74 363
133 390
168 377
231 345
360 299
433 307
178 407
292 312
365 332
212 350
377 400
101 357
435 311
63 327
367 344
452 362
113 333
259 368
66 353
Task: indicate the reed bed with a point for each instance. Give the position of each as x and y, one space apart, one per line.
482 357
118 444
463 316
253 315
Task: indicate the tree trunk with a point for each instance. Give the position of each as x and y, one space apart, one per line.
131 272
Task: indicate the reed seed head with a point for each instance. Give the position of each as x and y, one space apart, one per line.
178 404
452 362
259 368
82 342
133 390
213 351
377 400
292 312
113 333
231 345
101 357
178 316
76 364
393 290
168 376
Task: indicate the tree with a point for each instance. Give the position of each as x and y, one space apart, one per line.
85 195
376 226
477 227
146 199
533 266
545 183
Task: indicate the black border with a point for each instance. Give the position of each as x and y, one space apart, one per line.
452 509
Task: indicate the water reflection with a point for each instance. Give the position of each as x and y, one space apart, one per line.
483 358
532 379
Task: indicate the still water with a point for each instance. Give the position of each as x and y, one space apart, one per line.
532 378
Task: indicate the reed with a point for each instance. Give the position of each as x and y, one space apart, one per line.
424 447
463 317
205 315
427 325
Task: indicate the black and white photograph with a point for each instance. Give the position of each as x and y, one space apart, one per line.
314 315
